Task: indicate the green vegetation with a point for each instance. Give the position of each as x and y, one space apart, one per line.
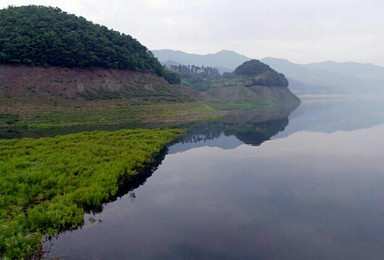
262 74
171 77
250 73
45 184
43 36
199 78
251 68
8 119
62 112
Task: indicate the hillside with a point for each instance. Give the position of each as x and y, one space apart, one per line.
253 81
46 96
33 96
18 81
202 78
60 69
261 74
57 68
46 36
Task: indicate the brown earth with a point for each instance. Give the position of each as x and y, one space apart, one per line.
23 81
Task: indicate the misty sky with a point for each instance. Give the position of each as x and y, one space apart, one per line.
302 31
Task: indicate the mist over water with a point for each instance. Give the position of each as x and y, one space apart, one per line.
305 185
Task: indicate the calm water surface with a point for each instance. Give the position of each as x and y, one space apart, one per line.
307 186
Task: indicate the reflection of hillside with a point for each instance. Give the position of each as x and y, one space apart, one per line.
272 113
257 133
250 127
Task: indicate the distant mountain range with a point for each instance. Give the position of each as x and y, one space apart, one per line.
313 78
225 61
330 76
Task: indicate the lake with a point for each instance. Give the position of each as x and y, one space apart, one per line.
276 185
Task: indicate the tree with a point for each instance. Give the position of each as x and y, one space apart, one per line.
41 35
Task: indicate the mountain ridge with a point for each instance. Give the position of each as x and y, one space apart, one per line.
338 77
226 59
311 78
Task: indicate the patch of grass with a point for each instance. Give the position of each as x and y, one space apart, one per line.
8 119
45 184
101 93
59 112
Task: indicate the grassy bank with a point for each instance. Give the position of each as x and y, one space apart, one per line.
23 113
45 184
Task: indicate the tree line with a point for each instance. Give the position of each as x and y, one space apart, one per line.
199 78
187 70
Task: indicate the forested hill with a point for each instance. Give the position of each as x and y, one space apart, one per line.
262 74
47 36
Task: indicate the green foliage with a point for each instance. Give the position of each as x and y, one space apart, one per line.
9 119
199 78
39 113
271 78
39 35
251 68
199 82
186 71
262 74
172 77
100 94
250 73
45 184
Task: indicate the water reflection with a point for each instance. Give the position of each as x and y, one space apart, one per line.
336 114
309 195
130 183
251 127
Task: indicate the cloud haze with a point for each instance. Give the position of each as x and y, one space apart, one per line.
300 30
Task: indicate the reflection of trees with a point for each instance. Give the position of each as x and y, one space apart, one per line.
251 127
202 132
257 133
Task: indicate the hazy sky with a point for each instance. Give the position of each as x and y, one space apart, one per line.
300 30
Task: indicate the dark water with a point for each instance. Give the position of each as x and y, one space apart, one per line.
254 186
